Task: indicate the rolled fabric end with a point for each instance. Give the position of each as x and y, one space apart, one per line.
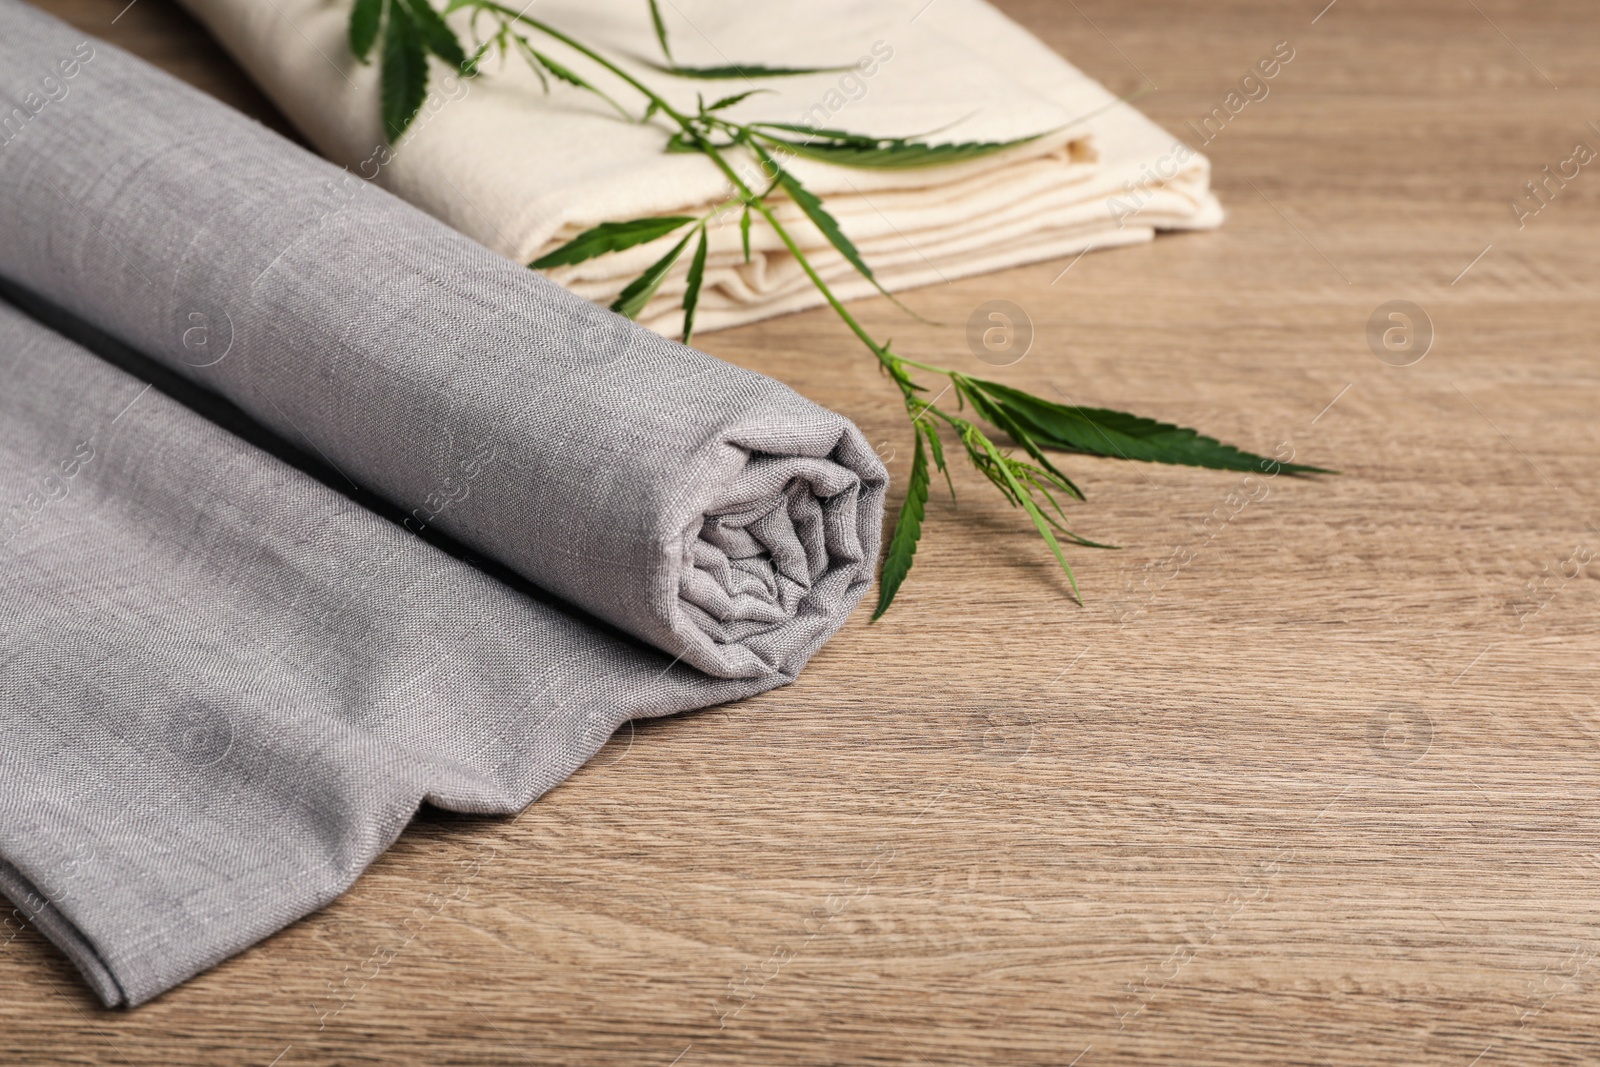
260 678
705 509
230 686
782 553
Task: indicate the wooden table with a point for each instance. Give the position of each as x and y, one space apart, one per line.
1311 776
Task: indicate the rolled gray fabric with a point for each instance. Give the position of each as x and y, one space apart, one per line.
708 510
231 685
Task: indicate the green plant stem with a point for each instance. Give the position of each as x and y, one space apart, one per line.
747 195
555 34
1032 422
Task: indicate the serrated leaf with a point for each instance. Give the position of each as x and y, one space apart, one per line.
691 293
1040 522
729 101
977 452
936 446
661 29
818 214
564 73
639 291
1105 432
818 131
610 237
743 71
1001 417
1040 479
537 59
404 82
680 143
907 532
853 150
532 59
365 17
435 34
826 223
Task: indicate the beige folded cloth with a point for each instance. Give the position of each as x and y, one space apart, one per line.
523 171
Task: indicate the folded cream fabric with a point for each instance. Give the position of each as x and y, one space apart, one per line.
522 171
229 685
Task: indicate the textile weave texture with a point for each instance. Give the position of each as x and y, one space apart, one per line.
230 683
523 166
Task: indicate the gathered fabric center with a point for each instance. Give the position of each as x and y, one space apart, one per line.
774 534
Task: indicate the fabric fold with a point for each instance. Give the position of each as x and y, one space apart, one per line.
523 166
231 685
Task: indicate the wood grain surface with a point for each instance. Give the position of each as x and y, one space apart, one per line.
1313 775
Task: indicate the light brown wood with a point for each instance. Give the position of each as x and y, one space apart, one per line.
1311 777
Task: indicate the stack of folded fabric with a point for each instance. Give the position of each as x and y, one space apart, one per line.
233 668
523 170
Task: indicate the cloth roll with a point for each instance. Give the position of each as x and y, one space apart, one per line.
523 166
230 685
705 509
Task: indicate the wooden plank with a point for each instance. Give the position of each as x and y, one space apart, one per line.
1310 777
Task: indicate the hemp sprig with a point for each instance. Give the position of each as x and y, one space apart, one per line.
411 30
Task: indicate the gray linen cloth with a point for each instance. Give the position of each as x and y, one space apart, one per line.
229 686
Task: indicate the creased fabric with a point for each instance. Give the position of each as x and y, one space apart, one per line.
230 684
522 169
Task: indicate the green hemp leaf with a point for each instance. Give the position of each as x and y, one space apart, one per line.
1028 479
